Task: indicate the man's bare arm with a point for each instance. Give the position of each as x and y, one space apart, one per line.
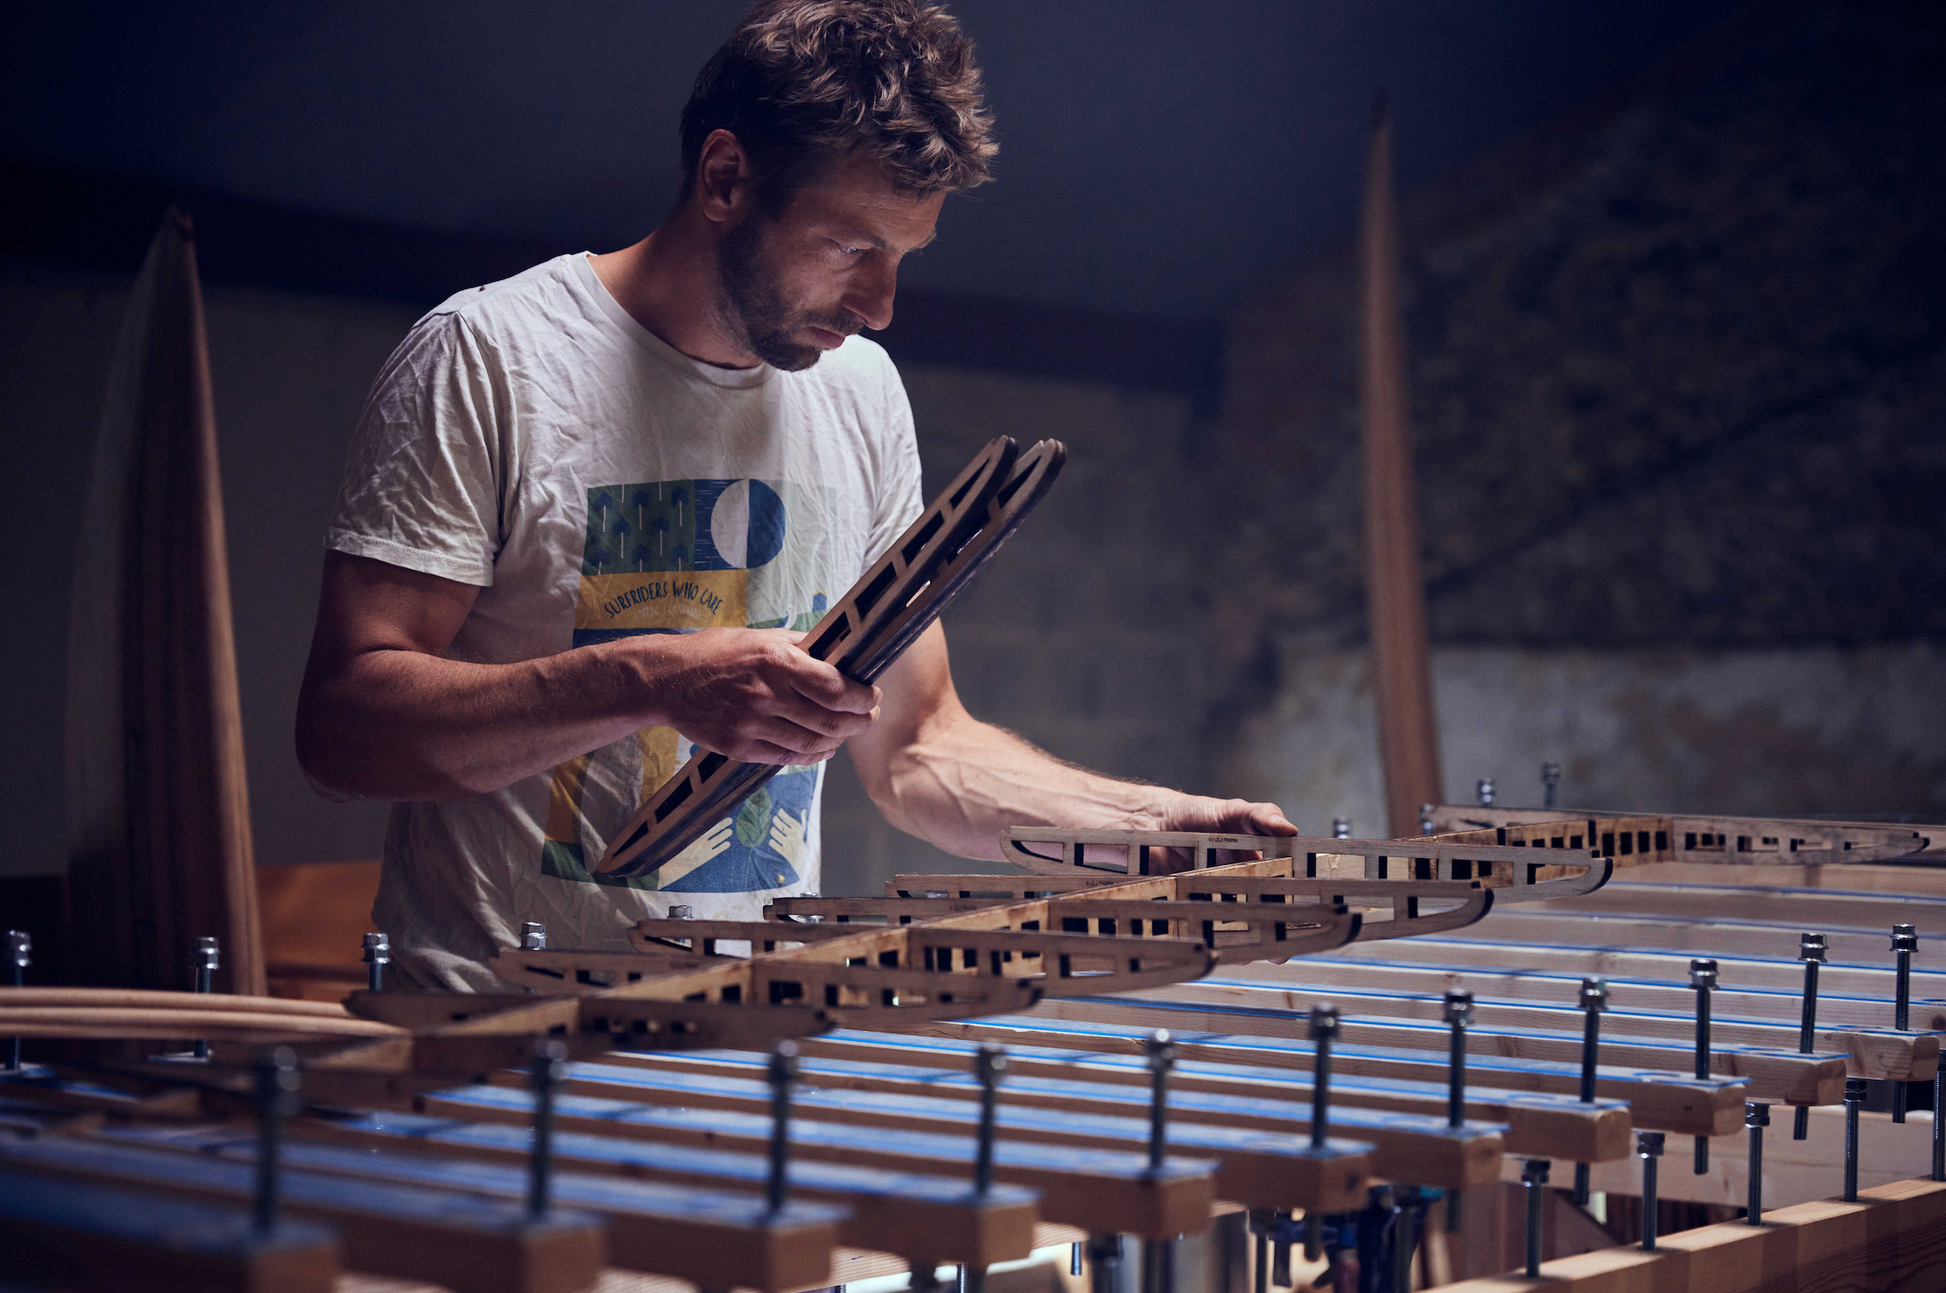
937 772
385 714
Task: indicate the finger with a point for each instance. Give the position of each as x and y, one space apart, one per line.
797 739
823 684
806 713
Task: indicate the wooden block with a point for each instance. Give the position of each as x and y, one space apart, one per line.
91 1237
1733 1257
468 1245
1095 1190
1612 1270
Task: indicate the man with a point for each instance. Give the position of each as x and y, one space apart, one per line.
589 511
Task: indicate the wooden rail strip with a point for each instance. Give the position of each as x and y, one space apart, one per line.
1820 910
408 1232
1658 1100
1522 874
1703 839
1873 1053
1094 1190
1469 953
918 1216
103 1240
141 999
711 1238
1405 1147
1634 995
1012 887
1537 1125
169 1023
133 1097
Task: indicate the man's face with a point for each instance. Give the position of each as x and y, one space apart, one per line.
796 285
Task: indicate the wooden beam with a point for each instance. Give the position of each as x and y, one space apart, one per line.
1095 1190
1414 1148
94 1238
403 1231
1692 934
711 1238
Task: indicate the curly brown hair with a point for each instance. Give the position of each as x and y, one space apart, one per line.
801 83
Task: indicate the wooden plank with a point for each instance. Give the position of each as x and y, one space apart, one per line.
1406 1147
88 1237
1793 909
1660 1101
164 1024
1703 839
158 804
471 1246
712 1238
138 999
1537 1125
1280 1010
1692 935
1095 1190
919 1216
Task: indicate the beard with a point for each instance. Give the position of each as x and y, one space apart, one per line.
754 308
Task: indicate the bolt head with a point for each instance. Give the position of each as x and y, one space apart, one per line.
1594 995
378 949
1341 828
1854 1090
783 1063
207 955
1702 973
533 936
1905 938
278 1080
19 945
1648 1144
1551 773
1534 1171
1756 1114
1324 1022
1485 791
1459 1005
989 1062
1811 947
682 911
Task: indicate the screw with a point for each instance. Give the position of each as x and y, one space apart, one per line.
1425 819
1594 1000
533 936
548 1068
1811 951
1550 782
1162 1058
682 911
203 962
783 1072
20 946
1324 1029
1702 977
1854 1101
1756 1116
378 955
1939 1123
1341 828
1104 1262
1648 1146
1534 1175
1459 1013
1485 791
1905 941
277 1083
989 1062
1411 1205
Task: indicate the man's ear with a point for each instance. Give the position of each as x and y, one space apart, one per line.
723 177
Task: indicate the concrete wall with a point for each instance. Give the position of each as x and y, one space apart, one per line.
1079 636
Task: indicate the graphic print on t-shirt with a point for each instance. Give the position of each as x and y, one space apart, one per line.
676 556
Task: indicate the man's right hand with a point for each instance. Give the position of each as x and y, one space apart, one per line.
752 694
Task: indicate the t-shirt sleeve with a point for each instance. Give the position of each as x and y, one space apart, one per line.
422 483
898 500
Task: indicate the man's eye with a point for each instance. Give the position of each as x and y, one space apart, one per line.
850 251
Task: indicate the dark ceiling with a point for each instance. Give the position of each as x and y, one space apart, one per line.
1157 158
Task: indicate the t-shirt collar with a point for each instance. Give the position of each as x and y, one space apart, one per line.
731 378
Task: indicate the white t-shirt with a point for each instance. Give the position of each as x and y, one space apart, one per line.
532 439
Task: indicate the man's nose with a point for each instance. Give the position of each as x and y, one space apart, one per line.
870 297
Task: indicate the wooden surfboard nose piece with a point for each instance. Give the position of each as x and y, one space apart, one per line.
904 592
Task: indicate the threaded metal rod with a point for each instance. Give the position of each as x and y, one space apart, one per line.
1854 1101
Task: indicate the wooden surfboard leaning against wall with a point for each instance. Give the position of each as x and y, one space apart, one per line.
1408 741
158 808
